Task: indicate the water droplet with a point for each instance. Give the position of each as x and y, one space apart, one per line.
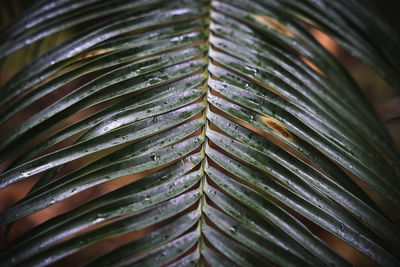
251 69
172 186
154 157
233 229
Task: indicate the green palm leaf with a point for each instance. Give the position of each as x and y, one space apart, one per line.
237 148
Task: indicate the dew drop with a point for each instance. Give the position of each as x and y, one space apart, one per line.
154 157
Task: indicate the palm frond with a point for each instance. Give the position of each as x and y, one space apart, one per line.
236 132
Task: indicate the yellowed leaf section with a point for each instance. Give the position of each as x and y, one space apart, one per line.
276 25
277 127
93 53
